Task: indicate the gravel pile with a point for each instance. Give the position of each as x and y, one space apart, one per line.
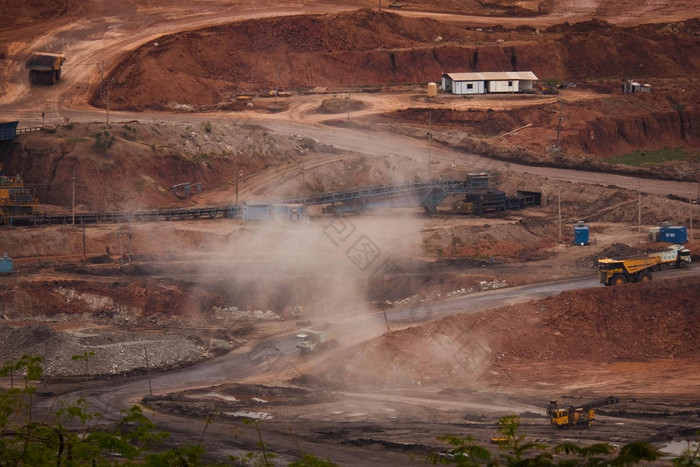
115 352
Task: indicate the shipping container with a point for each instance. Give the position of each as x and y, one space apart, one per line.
673 234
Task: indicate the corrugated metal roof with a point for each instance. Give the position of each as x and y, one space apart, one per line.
493 76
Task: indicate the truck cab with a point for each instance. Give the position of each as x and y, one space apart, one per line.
305 341
320 337
562 418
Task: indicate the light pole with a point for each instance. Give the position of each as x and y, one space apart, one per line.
238 175
690 207
73 197
639 209
430 139
559 207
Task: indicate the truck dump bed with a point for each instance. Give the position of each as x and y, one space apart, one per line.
45 61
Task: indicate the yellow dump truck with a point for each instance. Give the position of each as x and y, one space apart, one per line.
572 416
621 271
45 67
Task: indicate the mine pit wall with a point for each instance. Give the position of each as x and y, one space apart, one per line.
611 135
105 180
375 49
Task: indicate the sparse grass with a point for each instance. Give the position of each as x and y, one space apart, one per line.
75 140
655 157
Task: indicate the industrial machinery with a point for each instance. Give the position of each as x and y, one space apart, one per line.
571 416
621 271
15 199
675 256
311 340
45 67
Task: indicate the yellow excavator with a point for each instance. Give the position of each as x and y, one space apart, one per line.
581 416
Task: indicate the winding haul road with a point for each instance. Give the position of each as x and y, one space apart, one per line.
108 35
277 358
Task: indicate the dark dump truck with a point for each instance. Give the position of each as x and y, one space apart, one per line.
45 67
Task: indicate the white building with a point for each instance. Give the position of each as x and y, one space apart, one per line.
631 87
489 82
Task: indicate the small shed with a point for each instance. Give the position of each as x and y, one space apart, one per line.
581 234
5 264
633 87
8 130
654 234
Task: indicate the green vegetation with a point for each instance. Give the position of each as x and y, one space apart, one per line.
514 450
71 434
129 132
207 127
75 140
659 156
104 140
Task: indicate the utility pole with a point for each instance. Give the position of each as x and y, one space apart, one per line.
238 174
73 197
277 87
561 118
148 371
101 65
690 206
121 250
430 139
639 209
109 86
559 203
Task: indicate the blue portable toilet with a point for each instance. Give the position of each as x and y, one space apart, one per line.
5 264
673 234
581 234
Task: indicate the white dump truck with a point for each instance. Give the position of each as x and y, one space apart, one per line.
321 337
675 256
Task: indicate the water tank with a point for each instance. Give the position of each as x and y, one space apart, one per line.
581 234
673 234
432 90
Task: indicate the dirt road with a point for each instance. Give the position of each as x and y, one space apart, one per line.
275 360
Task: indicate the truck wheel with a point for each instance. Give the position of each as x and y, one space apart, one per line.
619 279
663 266
682 264
644 277
58 75
52 78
